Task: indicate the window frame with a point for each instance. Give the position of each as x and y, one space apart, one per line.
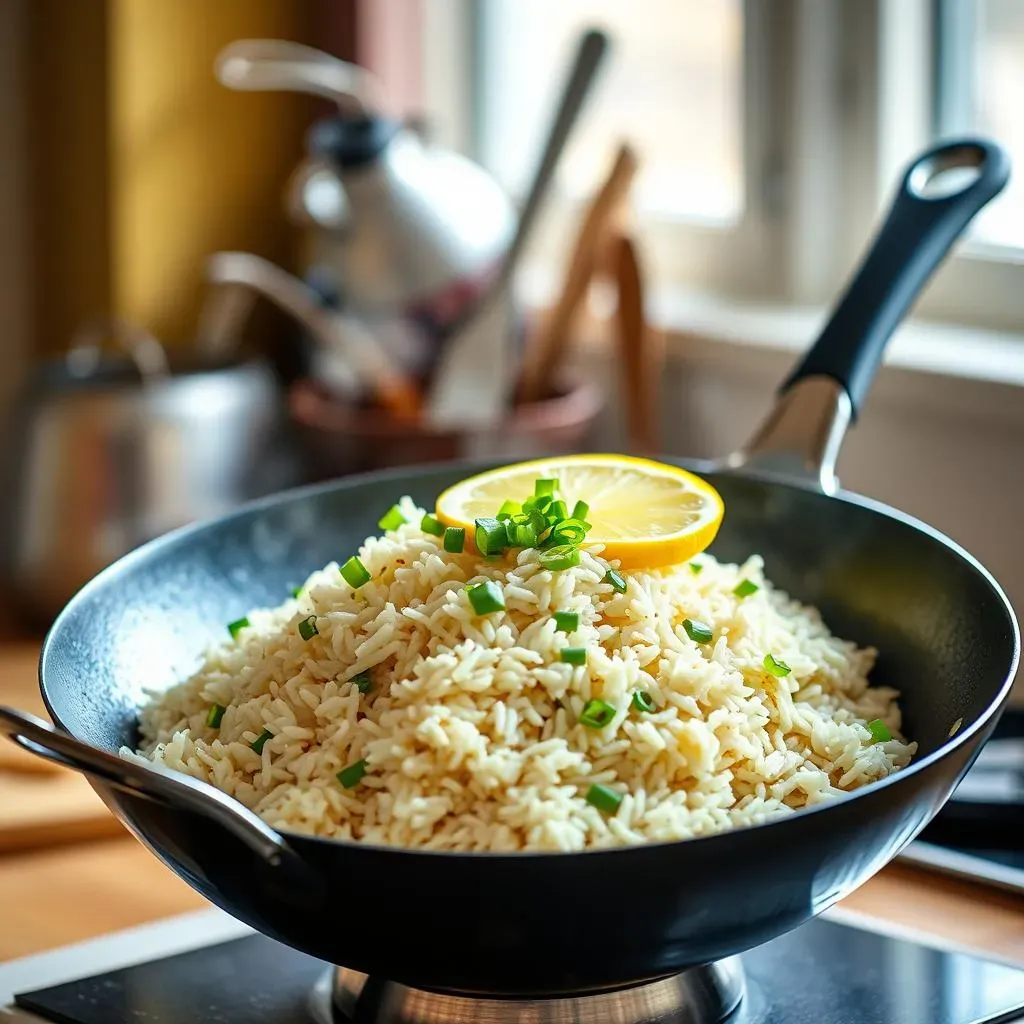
817 124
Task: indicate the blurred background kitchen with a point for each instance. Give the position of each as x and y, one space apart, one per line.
249 244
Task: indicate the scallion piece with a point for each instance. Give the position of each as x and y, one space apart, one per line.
567 622
573 656
565 556
455 539
596 714
879 731
236 627
521 534
557 511
486 598
490 537
351 776
545 486
580 510
643 701
604 798
260 742
361 681
745 588
307 627
296 592
432 525
569 531
775 666
509 508
214 715
355 573
696 568
540 502
616 580
698 632
392 519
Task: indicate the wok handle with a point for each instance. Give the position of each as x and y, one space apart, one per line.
941 192
154 782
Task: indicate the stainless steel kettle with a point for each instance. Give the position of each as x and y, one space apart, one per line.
110 447
402 235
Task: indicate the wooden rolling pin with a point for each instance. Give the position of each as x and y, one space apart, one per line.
546 348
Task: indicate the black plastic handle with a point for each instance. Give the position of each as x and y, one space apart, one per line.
154 782
919 231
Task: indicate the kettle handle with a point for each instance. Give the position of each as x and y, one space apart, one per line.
272 65
144 349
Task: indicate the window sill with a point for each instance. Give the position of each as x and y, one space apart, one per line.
692 320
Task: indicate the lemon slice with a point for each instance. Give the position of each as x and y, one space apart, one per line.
645 513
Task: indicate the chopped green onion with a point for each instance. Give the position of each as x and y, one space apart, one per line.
616 580
574 656
355 573
521 534
392 519
879 731
509 508
261 740
557 511
540 502
296 592
307 627
565 556
596 714
214 715
491 538
568 531
567 622
455 539
486 598
361 681
696 568
236 627
604 798
643 701
432 525
580 510
745 588
351 776
775 666
545 487
698 632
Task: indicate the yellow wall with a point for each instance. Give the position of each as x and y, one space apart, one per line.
143 163
194 166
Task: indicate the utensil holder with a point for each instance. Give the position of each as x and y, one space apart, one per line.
339 439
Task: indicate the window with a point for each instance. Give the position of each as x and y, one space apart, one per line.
980 87
771 132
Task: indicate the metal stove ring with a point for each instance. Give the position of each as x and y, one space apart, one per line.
701 995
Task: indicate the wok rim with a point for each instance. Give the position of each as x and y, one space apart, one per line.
181 535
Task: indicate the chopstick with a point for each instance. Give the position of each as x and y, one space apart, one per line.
640 350
545 349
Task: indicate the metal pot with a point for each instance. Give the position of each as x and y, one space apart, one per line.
109 449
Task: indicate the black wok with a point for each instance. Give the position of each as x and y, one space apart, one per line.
557 923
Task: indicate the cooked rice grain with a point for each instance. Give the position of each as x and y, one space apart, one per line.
470 727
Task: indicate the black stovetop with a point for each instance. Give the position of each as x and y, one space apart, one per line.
823 973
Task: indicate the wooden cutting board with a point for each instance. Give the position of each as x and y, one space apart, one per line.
41 804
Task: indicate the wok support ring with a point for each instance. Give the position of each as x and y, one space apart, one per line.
708 994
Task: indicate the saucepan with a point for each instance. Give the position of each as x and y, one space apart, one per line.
556 923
